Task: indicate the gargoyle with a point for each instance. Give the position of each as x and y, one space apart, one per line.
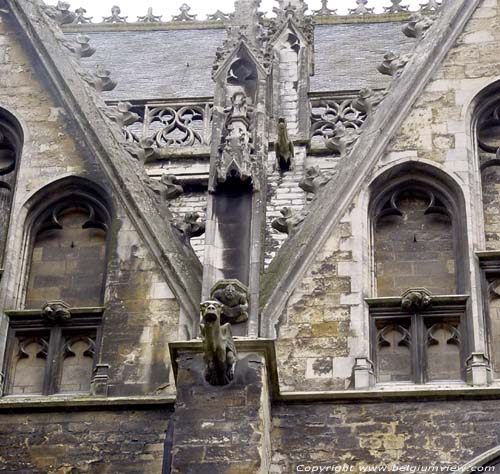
167 188
283 148
232 294
218 345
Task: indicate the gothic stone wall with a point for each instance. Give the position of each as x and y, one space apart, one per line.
141 310
383 434
83 442
326 323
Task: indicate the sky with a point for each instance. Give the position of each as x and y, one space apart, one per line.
133 8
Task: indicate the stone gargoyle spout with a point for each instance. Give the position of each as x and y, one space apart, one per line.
218 345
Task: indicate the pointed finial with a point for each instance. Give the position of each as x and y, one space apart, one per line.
149 17
115 16
184 15
324 10
361 9
396 7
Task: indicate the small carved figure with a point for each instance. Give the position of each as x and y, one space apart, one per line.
290 222
218 345
417 25
393 64
184 14
341 138
283 148
144 151
80 17
100 80
367 100
56 311
121 114
415 299
167 187
189 226
149 17
115 16
60 13
314 180
233 295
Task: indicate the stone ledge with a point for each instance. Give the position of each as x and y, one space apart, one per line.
11 403
402 394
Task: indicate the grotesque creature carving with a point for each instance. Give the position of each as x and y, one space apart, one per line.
415 299
189 226
314 180
144 151
168 187
218 345
290 222
233 295
283 148
80 47
60 13
341 139
56 311
101 80
417 25
393 64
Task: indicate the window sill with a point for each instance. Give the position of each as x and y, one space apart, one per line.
79 401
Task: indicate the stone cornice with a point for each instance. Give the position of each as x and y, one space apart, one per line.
299 251
179 263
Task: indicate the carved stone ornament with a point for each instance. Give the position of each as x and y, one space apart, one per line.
361 9
184 14
115 16
121 115
283 148
80 46
367 100
167 188
80 17
314 180
218 16
237 160
218 345
341 139
149 17
60 13
430 6
290 220
396 7
393 64
416 299
100 80
417 25
494 289
190 226
324 10
56 311
144 150
233 295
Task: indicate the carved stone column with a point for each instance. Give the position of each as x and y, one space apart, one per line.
364 377
478 369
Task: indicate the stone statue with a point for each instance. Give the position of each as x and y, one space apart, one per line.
283 148
415 299
233 296
218 345
313 180
290 221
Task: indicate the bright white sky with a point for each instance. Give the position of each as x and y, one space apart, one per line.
134 8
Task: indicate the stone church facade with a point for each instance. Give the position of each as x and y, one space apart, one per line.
250 244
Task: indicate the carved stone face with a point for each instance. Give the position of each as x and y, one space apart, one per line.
210 311
229 292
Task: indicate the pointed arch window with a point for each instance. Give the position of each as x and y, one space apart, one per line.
418 324
53 343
